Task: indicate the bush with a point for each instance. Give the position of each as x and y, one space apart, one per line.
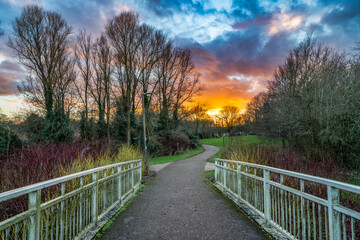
34 126
58 130
194 141
177 143
154 145
8 140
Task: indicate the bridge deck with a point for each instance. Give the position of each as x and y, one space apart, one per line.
178 204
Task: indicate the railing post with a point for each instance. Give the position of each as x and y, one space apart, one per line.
140 171
267 202
132 177
282 202
225 171
334 216
62 211
239 180
216 171
303 220
246 191
81 202
34 225
104 191
119 183
94 203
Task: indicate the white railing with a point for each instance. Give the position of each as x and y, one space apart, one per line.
300 206
68 207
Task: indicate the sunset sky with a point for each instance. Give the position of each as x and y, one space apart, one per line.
236 45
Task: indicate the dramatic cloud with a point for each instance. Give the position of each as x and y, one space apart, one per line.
236 44
9 74
7 85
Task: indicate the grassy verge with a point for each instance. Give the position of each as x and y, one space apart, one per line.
165 159
210 175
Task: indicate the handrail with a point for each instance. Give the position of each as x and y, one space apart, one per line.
41 185
333 183
286 200
82 201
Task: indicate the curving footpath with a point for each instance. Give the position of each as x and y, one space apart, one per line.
179 204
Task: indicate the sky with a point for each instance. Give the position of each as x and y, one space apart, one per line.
236 45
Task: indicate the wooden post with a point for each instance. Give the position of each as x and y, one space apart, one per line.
267 202
34 224
334 216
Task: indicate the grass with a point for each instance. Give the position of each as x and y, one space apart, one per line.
210 175
173 158
218 142
246 140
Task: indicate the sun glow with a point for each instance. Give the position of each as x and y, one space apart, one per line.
213 112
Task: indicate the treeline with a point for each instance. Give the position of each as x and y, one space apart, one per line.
106 82
313 103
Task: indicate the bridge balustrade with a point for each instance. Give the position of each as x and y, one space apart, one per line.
298 205
69 207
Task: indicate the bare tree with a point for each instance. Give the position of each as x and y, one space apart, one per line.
40 42
102 83
123 34
198 114
64 88
178 82
187 85
83 58
166 73
228 117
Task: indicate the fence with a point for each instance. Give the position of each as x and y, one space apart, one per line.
68 207
300 206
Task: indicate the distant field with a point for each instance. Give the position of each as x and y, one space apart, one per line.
246 140
165 159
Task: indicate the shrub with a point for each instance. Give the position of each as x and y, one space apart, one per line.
194 141
8 140
154 144
176 144
58 129
34 126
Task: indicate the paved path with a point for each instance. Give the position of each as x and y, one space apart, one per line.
179 204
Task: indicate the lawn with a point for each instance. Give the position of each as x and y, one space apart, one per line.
246 140
173 158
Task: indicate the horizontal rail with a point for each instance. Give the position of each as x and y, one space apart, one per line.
286 200
41 185
344 186
80 202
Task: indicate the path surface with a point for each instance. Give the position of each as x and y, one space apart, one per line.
179 204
